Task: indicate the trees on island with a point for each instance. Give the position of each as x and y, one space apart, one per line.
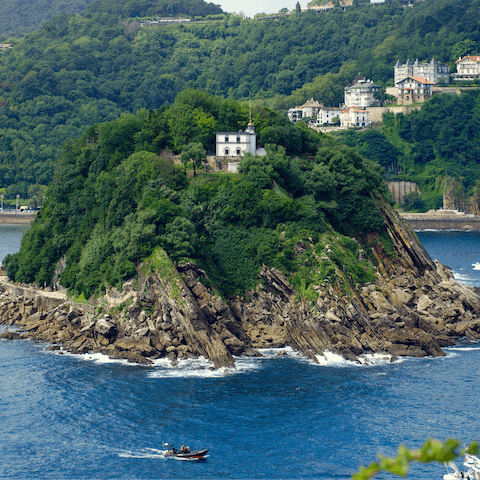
114 199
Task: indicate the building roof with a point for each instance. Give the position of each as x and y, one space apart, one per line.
367 83
473 58
418 79
234 133
310 103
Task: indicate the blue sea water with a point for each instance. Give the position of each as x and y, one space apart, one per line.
277 417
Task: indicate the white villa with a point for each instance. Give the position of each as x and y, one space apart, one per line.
361 94
414 90
308 109
234 144
433 72
468 68
355 117
326 115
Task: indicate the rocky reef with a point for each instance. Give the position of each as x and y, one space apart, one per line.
414 308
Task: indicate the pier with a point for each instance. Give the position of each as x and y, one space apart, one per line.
442 220
10 217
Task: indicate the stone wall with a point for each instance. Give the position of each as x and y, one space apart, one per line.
16 219
447 222
400 189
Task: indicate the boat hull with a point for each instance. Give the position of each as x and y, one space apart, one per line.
195 455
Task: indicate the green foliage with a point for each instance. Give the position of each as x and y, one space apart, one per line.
413 201
431 451
194 152
18 18
78 71
115 201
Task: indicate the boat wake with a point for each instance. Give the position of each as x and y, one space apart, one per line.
144 453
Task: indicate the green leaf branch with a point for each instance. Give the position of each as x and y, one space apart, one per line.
431 451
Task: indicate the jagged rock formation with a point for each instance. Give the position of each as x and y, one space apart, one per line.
414 308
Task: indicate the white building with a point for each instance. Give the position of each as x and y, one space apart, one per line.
234 144
468 68
433 72
355 117
307 110
326 115
361 94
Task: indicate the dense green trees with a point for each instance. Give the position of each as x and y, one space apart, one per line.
442 139
80 70
114 198
18 17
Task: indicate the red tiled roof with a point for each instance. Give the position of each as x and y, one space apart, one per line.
418 79
475 58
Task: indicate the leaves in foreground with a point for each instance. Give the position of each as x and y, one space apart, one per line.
431 451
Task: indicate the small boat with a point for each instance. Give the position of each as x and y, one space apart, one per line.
184 453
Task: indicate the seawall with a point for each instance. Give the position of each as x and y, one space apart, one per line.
440 221
7 218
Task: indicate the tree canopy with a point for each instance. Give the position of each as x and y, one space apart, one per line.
115 198
79 70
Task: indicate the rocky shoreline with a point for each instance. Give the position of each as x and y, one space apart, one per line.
414 309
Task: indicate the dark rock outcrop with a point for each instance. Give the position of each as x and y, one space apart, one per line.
414 308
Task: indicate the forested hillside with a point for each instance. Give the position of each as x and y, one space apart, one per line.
438 147
80 70
114 199
18 17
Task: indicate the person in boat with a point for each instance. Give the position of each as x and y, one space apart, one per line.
184 449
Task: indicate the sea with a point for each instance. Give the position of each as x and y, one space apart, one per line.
280 416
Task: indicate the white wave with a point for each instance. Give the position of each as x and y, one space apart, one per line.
99 358
277 352
198 367
330 359
463 349
464 278
144 453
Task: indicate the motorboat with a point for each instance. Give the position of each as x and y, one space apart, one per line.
473 472
184 453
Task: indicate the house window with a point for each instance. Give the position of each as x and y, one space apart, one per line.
238 138
226 138
239 151
227 152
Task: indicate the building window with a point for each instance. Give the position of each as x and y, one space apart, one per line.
227 152
239 151
226 138
238 139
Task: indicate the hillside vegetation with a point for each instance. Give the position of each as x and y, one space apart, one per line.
438 147
18 17
80 70
114 199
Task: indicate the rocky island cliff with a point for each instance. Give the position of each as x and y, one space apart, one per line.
413 308
302 251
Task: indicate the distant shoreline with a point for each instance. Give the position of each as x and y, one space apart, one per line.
442 220
16 219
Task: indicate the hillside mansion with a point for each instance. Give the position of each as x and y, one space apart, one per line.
414 83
